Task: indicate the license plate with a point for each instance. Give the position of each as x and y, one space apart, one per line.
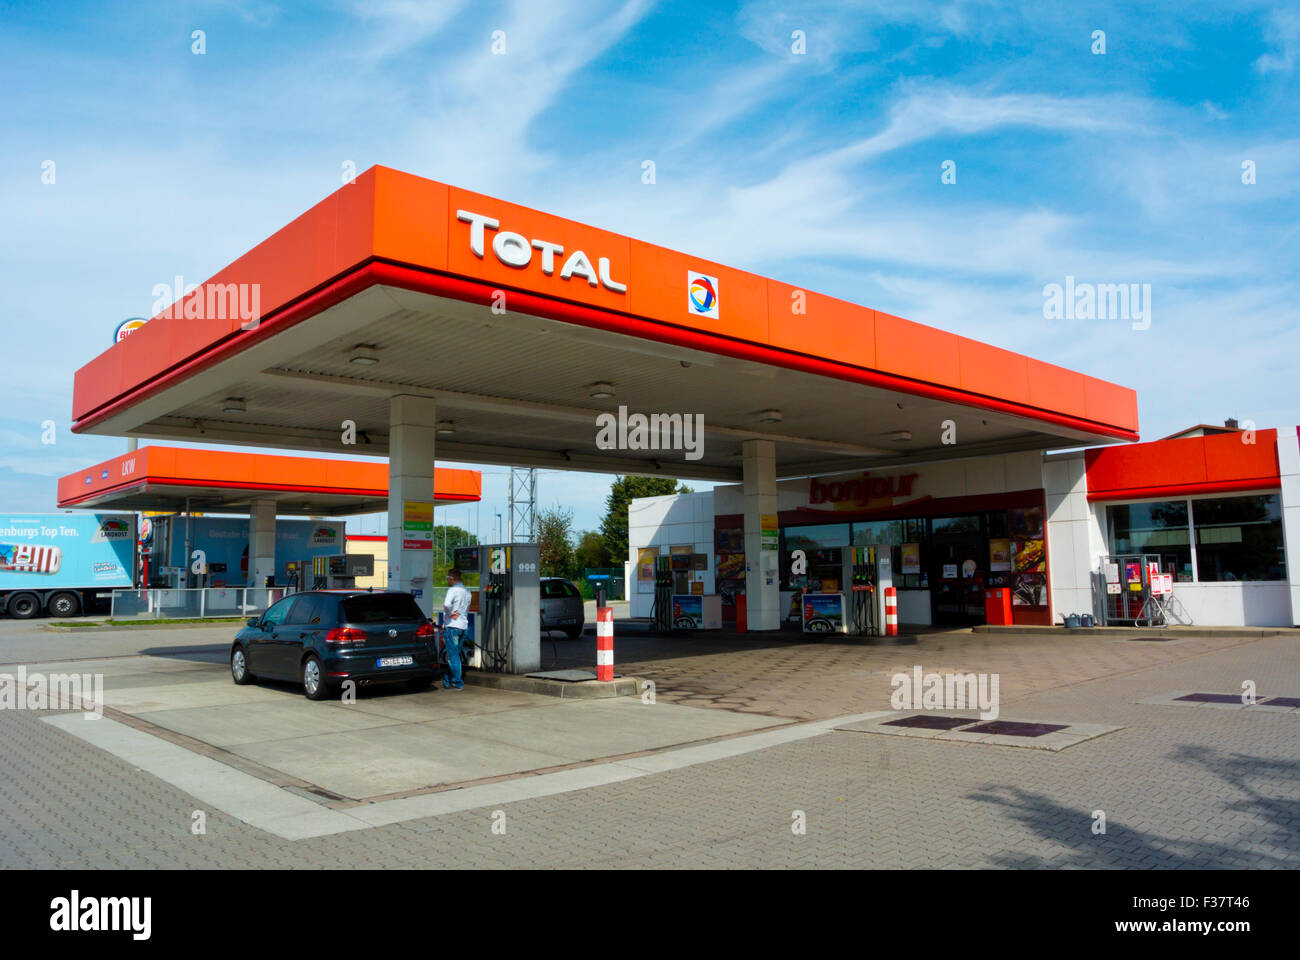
395 661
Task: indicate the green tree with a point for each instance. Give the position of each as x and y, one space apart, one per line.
446 539
613 528
590 552
555 541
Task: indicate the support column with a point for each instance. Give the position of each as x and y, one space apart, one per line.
762 579
412 427
1288 462
261 542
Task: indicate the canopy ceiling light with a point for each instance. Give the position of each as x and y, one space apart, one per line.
233 405
900 436
446 428
601 391
364 355
769 416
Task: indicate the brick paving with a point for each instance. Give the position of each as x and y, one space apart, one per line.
1179 788
790 677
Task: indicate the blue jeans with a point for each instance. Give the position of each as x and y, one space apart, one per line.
451 639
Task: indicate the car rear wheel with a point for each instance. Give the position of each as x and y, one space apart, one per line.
313 679
573 633
64 605
24 606
239 667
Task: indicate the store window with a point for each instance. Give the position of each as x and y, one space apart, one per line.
904 537
945 526
874 532
821 545
815 536
1239 538
1159 528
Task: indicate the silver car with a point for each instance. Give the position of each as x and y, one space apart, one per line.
562 606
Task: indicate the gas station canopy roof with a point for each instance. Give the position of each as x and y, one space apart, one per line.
162 478
524 327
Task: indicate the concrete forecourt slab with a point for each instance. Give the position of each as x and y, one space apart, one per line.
293 817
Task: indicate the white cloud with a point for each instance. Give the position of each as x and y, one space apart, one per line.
1283 33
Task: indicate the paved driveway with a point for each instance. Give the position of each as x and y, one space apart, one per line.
786 676
1179 786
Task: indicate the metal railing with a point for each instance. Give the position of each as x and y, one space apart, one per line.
195 603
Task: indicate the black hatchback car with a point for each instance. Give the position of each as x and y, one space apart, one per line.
321 638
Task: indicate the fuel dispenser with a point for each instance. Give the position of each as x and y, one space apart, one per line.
507 631
857 608
662 612
867 570
338 571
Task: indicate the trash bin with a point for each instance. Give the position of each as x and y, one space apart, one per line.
742 620
997 606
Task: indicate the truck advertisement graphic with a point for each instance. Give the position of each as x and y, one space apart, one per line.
57 561
66 550
224 541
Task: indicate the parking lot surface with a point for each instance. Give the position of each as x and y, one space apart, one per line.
1177 786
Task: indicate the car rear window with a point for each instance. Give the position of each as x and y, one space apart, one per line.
381 608
558 588
313 608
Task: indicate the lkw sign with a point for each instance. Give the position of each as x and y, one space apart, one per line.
517 251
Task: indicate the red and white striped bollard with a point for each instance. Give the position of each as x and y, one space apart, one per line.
891 612
605 643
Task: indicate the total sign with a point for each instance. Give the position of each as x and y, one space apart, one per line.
702 294
517 251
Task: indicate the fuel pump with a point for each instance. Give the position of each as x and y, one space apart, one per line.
662 612
861 576
498 625
340 571
507 628
868 571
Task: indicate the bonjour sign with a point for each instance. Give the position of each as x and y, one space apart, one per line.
861 490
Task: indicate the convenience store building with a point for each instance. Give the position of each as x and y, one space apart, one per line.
1218 506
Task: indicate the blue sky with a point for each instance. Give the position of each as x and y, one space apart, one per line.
821 169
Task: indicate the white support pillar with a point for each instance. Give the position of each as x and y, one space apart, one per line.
261 542
412 427
762 579
1288 462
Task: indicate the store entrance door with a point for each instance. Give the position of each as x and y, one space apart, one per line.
958 573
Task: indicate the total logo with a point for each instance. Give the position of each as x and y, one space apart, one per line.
702 294
516 250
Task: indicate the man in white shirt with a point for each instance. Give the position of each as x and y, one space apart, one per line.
455 621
